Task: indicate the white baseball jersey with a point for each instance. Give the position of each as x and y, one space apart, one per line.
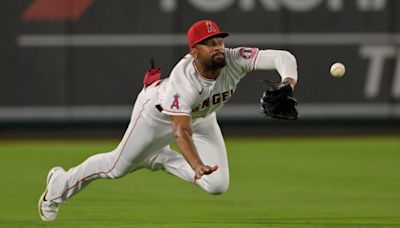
186 92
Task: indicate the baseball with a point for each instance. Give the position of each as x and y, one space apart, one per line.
338 70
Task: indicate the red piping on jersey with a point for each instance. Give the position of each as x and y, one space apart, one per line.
160 109
175 112
255 59
195 68
115 164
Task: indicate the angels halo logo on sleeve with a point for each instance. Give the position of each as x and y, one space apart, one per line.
175 102
247 52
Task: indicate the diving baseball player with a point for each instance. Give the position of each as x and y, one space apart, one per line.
182 108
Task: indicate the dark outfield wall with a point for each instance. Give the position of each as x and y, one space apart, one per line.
77 59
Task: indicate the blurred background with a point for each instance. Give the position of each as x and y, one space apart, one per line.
74 67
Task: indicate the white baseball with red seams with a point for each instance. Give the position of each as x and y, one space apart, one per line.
338 70
146 141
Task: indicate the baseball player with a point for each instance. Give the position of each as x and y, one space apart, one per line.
180 108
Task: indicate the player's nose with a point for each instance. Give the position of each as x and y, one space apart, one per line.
218 49
219 46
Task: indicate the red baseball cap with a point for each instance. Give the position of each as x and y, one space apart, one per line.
202 30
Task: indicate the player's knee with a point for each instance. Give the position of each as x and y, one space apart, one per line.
291 56
218 189
218 186
118 172
117 167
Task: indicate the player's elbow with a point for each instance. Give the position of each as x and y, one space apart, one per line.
286 64
289 57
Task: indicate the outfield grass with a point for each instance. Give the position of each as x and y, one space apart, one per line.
283 182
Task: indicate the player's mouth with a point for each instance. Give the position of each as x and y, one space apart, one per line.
219 55
218 60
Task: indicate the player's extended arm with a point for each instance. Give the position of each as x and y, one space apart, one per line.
182 128
278 101
283 61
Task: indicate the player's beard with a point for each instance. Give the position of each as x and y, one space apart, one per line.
216 62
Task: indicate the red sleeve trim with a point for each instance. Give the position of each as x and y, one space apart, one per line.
173 113
255 59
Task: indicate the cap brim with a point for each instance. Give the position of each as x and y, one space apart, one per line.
220 34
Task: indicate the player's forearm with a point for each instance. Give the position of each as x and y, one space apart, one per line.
182 129
283 61
186 145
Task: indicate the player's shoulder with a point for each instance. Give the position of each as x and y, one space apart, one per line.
184 68
185 61
182 75
183 65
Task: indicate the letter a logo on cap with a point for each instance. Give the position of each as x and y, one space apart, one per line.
210 27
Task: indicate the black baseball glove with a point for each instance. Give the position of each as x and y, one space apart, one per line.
278 101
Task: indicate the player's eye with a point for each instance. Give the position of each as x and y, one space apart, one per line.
206 43
212 42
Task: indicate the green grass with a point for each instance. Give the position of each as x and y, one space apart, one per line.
275 182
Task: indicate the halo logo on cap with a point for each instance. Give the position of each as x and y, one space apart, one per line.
202 30
210 28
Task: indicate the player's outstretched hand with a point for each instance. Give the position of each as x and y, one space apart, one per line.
204 170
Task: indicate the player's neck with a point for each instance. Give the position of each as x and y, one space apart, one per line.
207 73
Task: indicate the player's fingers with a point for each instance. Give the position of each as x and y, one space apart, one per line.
211 169
205 170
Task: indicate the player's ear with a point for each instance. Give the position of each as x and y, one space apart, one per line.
193 52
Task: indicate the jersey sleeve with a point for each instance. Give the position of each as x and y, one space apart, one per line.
283 61
244 58
176 100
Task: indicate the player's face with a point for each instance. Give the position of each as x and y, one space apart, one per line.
211 53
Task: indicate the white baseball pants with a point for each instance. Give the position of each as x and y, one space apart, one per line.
146 145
